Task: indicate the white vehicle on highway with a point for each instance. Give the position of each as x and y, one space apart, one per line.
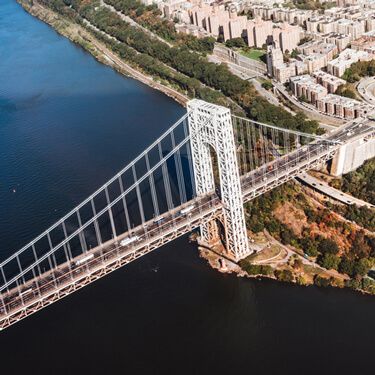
26 291
84 259
187 210
159 220
128 240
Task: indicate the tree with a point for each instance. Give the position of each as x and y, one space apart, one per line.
344 90
353 284
346 266
361 267
235 42
294 54
329 261
309 246
371 243
326 245
256 269
298 264
267 85
368 285
321 281
360 245
284 275
286 235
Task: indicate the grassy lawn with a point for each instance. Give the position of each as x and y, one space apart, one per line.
254 54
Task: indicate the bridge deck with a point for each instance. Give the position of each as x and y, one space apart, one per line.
71 276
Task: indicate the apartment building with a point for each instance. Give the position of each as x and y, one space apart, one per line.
364 43
330 82
339 106
346 58
307 87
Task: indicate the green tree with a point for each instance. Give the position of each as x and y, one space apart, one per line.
267 85
368 285
346 266
235 42
344 90
284 275
353 284
329 261
286 235
294 54
361 267
309 246
321 281
326 245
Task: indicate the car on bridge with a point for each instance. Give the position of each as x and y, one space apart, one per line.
187 210
128 240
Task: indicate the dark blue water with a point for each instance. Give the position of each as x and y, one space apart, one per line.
67 124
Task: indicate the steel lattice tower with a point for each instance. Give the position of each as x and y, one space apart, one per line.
211 125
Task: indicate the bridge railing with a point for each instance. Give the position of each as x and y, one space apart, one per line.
102 257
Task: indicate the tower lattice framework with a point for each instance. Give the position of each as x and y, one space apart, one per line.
211 125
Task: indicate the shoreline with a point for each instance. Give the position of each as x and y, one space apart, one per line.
82 37
212 255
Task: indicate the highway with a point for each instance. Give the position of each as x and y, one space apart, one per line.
366 88
338 195
72 275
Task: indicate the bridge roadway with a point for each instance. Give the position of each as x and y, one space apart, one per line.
71 276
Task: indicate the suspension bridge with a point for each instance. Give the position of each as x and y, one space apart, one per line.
199 173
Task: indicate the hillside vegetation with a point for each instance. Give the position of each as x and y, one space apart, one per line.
359 183
291 217
153 56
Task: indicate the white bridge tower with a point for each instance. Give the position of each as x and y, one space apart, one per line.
211 125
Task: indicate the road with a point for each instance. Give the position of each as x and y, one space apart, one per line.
366 89
331 192
133 23
271 98
248 75
239 71
103 259
308 108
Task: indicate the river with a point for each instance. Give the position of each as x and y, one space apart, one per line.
68 123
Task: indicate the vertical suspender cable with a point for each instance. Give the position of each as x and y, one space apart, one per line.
96 225
81 235
110 213
126 212
189 157
139 197
67 245
167 187
153 190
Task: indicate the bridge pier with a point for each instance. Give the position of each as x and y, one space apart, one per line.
211 125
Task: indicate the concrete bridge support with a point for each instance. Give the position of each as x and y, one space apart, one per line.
211 125
352 155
